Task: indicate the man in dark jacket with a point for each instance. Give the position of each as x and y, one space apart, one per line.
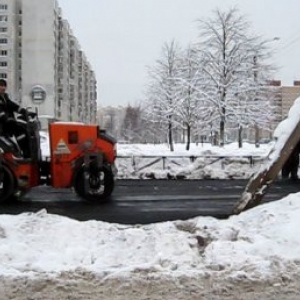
7 110
9 127
290 168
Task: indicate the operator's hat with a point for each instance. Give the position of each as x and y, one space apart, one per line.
3 82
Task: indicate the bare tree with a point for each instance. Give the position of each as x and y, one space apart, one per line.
228 53
163 90
189 104
221 82
153 119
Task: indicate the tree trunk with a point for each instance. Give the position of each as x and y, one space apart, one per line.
256 129
188 132
222 124
222 133
170 134
240 138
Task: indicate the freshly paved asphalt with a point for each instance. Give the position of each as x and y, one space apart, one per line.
147 201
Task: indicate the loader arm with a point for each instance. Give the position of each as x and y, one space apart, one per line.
260 182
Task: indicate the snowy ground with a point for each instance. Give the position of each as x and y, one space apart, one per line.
254 255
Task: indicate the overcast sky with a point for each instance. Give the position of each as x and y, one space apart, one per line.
122 37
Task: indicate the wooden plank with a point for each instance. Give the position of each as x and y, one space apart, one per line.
260 182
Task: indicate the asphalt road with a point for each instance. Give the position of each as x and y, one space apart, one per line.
147 201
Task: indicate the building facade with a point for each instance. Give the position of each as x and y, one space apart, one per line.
43 63
289 95
285 98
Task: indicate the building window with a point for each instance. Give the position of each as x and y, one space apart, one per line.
3 6
3 29
3 41
3 52
3 18
3 75
3 63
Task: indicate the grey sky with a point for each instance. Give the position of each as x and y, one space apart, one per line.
122 37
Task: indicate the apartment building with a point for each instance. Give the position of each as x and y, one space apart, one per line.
289 95
43 62
284 98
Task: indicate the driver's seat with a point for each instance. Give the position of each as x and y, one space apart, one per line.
10 144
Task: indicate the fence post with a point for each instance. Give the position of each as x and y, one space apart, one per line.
192 158
133 162
251 161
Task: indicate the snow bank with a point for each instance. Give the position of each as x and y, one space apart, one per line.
256 244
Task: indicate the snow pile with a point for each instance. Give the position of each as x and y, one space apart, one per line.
256 244
201 161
